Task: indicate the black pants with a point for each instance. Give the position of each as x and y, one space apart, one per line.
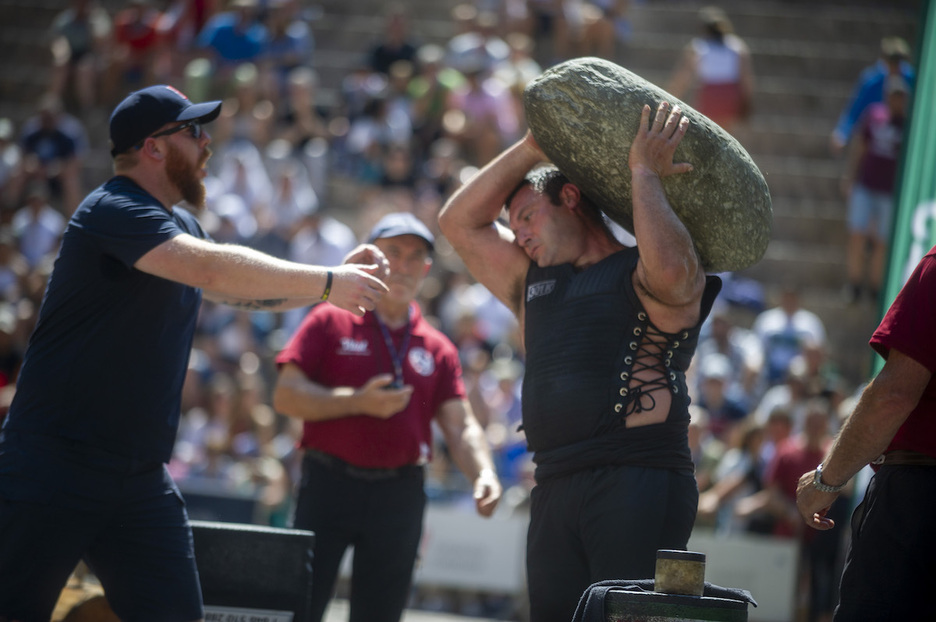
889 572
380 518
61 501
602 524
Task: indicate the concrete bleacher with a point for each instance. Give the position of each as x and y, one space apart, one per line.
806 54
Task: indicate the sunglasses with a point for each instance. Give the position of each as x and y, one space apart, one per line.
194 127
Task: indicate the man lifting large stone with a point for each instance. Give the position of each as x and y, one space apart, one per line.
609 332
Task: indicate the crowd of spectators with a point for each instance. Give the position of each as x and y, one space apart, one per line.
303 176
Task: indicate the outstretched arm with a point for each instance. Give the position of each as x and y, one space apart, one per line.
243 276
469 222
669 275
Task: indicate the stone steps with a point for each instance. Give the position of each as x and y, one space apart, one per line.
808 222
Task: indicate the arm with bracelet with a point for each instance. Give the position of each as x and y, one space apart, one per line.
882 409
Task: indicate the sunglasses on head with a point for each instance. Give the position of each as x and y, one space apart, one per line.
194 127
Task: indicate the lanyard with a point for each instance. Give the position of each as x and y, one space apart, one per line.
396 355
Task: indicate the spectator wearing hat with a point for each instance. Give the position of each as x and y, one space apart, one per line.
83 450
368 389
894 60
868 185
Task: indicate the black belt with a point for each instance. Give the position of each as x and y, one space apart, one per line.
370 475
904 457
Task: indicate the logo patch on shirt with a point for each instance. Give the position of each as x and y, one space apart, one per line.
421 361
354 347
542 288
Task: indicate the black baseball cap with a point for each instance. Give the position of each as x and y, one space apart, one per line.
145 111
401 223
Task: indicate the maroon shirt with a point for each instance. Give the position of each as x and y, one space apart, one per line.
882 134
910 327
336 348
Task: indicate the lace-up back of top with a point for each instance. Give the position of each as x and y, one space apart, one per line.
593 357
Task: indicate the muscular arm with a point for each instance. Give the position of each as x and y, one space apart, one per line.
245 277
296 396
269 304
883 407
469 222
669 274
467 444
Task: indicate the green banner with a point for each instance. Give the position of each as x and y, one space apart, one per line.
914 230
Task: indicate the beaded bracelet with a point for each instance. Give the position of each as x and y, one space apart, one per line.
328 284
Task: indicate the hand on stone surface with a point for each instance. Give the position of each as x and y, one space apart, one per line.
655 143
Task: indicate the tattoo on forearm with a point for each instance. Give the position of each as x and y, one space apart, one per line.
257 305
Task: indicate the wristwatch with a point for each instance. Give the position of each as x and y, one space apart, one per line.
817 482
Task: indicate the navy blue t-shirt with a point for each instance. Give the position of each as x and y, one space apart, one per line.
106 362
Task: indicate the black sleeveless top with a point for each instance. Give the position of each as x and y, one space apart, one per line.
584 333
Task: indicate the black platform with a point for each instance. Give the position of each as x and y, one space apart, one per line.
254 567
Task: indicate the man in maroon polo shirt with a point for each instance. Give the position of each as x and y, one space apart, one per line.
368 389
889 572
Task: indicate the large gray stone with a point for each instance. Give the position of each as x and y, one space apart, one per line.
584 114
